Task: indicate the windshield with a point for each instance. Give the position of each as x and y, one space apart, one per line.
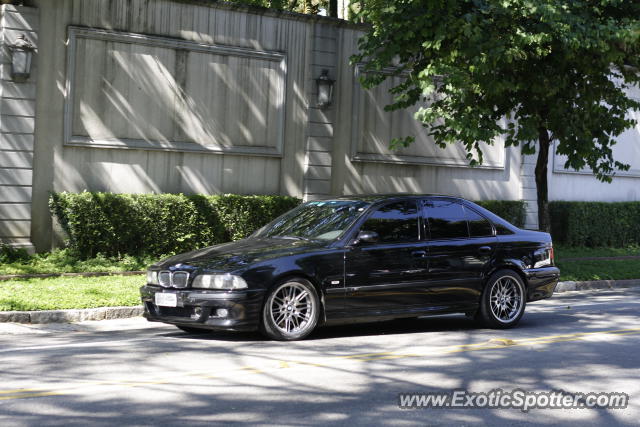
324 220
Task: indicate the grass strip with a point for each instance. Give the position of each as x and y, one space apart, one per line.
599 270
58 293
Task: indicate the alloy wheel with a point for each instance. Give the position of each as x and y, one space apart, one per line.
292 308
505 299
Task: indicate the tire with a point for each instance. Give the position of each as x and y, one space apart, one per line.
503 300
291 310
192 330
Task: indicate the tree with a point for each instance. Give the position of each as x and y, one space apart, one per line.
558 71
333 8
311 7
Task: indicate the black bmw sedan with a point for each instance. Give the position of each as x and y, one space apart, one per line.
357 258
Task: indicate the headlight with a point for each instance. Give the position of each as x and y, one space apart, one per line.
219 281
152 277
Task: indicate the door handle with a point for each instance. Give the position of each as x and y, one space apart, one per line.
484 249
419 254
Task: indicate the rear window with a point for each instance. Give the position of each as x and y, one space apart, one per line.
448 219
479 226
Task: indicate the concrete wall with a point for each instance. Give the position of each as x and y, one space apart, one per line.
166 96
150 96
163 96
17 117
320 129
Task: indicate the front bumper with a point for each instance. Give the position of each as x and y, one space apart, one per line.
542 282
199 308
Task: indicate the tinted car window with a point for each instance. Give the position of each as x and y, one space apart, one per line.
502 230
395 222
446 219
325 220
479 226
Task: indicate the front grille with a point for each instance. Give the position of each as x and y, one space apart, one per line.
176 279
164 278
175 311
179 279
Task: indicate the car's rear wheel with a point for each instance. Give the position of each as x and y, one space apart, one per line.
503 300
291 310
192 330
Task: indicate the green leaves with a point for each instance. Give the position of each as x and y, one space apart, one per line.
398 143
540 63
595 224
9 254
159 224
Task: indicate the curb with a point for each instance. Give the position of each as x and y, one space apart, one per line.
595 284
68 316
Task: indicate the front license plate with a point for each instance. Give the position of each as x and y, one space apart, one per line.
166 300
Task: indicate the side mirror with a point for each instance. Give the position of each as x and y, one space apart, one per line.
367 237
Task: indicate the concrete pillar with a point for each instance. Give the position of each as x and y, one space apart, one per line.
319 145
529 195
17 124
343 9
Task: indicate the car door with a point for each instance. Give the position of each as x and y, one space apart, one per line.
459 243
387 276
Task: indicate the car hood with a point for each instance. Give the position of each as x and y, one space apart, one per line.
235 255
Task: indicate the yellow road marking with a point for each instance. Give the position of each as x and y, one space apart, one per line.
251 369
20 390
24 396
356 356
502 341
495 343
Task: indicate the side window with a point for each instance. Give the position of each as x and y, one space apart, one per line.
446 219
479 226
395 223
502 230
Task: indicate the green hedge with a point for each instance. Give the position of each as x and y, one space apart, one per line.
511 210
595 224
159 224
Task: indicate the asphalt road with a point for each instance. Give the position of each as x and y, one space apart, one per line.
130 372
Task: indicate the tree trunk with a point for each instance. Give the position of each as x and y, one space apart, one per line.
333 8
542 189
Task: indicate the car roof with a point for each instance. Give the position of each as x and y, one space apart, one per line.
372 198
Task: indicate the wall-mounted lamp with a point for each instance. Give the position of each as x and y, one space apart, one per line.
21 56
325 89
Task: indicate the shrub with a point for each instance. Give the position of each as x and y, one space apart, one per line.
511 210
9 254
159 224
595 224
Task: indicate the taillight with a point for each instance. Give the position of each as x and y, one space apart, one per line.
543 257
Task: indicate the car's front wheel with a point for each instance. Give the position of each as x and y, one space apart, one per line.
291 310
503 300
